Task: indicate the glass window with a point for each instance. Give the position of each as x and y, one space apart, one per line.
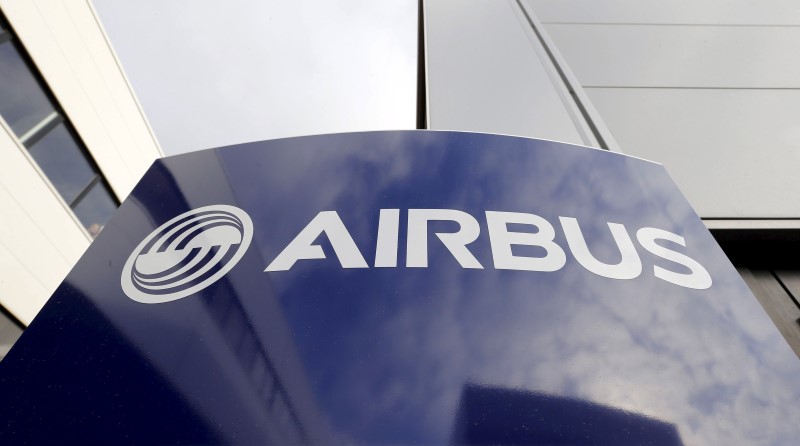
95 209
23 104
51 141
61 159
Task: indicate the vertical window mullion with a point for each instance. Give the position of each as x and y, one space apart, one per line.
85 191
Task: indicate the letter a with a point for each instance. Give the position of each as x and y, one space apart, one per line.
303 247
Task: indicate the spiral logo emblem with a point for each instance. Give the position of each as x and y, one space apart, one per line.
187 254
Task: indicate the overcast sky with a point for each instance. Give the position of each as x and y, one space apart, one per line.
210 74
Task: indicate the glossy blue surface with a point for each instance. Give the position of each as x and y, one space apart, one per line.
443 354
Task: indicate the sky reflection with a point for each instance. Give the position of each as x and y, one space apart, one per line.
699 359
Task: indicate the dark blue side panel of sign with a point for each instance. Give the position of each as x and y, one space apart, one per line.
396 355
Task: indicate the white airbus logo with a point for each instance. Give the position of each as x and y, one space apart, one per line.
541 234
196 248
187 254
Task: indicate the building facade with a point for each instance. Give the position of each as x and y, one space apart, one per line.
710 90
73 143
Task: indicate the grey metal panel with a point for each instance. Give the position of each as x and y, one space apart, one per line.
778 304
791 280
727 12
734 153
680 56
590 115
487 72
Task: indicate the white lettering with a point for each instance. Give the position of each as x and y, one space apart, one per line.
698 279
456 242
629 267
303 247
542 235
502 239
388 232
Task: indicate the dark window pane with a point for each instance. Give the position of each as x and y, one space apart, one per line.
95 208
23 104
63 162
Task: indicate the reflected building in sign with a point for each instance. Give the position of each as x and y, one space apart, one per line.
255 376
490 415
226 372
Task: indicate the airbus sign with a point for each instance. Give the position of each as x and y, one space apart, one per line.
409 287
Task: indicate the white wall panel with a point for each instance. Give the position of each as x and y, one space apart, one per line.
734 153
721 12
70 50
680 56
711 89
40 239
487 72
17 285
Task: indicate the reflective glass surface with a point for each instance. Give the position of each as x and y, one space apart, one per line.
463 349
59 156
94 209
23 104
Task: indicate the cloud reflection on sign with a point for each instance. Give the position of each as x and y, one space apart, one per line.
413 338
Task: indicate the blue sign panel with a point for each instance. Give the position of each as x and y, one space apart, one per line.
402 287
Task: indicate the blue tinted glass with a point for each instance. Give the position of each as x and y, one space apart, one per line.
23 104
95 209
63 162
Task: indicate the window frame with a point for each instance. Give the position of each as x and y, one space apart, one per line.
51 122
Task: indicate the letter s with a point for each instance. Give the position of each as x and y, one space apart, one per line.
698 279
